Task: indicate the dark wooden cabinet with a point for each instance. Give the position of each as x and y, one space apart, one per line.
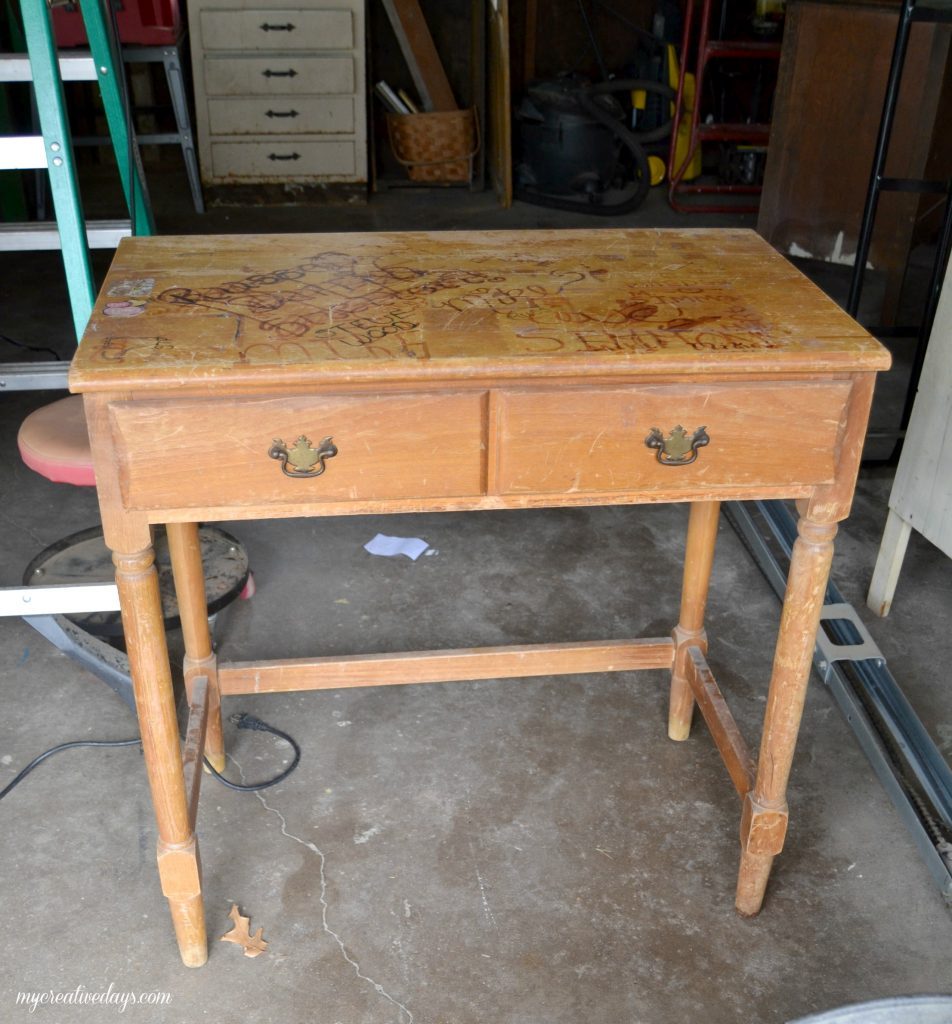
830 90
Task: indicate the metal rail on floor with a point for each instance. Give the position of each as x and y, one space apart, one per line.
902 754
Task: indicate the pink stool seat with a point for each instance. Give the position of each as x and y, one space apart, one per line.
54 443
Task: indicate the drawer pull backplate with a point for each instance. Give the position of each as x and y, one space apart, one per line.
678 448
301 459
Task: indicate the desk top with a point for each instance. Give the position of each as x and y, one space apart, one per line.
205 312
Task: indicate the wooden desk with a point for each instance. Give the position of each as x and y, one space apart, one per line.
247 377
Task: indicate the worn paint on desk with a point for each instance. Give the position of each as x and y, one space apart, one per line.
325 307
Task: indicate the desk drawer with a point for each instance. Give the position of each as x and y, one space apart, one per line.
277 74
197 453
594 440
286 29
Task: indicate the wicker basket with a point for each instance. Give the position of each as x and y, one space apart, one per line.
435 147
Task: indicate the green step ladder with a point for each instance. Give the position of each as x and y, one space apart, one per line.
53 151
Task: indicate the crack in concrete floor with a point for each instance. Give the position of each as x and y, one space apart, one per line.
322 861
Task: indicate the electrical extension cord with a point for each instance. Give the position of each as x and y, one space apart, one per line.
39 349
242 720
246 721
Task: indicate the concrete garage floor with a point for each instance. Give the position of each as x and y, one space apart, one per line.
523 851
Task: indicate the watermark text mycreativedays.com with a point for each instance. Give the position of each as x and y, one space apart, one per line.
82 996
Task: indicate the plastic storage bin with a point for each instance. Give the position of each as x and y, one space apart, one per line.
143 22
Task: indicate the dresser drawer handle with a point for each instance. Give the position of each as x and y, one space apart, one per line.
284 156
301 459
280 113
276 28
677 449
290 73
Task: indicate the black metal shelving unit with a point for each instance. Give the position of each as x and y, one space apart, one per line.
911 12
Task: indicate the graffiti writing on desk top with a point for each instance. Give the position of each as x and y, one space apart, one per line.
129 351
637 321
335 305
332 303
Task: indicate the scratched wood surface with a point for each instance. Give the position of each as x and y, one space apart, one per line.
328 309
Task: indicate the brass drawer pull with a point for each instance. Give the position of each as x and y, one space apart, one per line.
303 459
677 449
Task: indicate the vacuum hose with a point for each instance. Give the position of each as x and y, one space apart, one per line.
632 141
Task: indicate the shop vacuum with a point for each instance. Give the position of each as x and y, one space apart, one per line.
576 151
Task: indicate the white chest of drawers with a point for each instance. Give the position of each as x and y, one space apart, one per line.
280 91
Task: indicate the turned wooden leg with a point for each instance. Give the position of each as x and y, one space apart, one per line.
179 866
698 559
764 819
186 552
